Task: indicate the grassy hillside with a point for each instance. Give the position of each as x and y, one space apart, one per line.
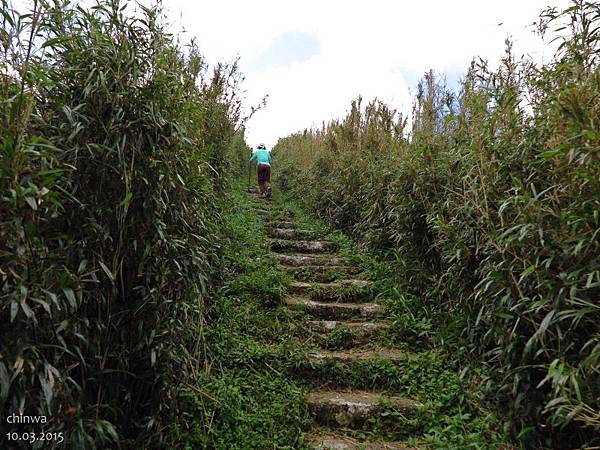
488 210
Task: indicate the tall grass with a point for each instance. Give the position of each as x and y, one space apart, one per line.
113 160
490 208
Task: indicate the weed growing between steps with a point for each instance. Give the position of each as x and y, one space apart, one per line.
243 398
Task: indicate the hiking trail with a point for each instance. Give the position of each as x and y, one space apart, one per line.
343 307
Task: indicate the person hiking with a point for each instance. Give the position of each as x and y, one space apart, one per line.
263 169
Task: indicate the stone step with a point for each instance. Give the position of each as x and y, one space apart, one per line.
351 409
258 201
262 211
358 332
284 245
300 260
353 283
330 441
287 224
300 272
330 310
324 326
340 290
359 354
289 233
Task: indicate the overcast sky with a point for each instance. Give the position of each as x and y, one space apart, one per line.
313 57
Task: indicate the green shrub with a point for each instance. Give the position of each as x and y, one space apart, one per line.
113 159
490 210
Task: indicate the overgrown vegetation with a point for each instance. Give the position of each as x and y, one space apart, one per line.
489 213
114 148
251 393
245 398
116 225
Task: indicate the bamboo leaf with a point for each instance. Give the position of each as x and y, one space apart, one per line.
107 271
70 295
14 308
32 203
126 199
4 382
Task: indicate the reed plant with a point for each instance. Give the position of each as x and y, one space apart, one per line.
115 152
489 208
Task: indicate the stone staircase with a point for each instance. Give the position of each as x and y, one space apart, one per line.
330 289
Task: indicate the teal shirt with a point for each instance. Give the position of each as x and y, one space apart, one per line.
261 157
